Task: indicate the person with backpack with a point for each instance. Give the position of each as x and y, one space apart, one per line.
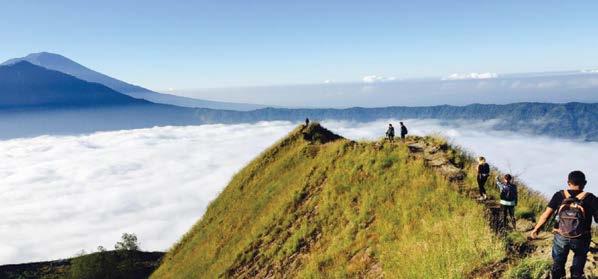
390 133
508 199
483 174
574 210
403 131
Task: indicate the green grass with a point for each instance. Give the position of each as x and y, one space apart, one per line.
530 268
339 209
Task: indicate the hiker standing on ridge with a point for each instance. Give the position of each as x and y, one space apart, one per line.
483 174
390 133
306 122
403 131
573 230
508 198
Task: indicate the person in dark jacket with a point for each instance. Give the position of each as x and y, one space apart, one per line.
573 233
403 131
508 199
483 174
306 122
390 133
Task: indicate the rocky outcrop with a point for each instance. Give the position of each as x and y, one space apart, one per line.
436 157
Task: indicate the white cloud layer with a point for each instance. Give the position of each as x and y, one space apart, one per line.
59 195
375 78
459 76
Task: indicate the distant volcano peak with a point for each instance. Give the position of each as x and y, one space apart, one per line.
65 65
23 84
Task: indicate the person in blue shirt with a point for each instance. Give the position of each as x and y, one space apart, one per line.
508 199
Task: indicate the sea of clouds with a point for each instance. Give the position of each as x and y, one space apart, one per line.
61 194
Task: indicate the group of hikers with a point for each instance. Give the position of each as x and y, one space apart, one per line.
390 132
573 209
506 187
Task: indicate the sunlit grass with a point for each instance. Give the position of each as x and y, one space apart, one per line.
531 268
358 207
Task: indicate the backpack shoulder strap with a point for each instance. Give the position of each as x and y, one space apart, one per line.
566 194
581 195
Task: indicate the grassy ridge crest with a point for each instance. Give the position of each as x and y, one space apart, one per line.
316 205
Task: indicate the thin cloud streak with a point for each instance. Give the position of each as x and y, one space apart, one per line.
459 76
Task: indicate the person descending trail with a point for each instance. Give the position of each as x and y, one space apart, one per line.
403 130
390 133
574 210
306 122
508 199
483 174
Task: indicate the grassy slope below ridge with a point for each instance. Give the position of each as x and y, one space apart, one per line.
339 209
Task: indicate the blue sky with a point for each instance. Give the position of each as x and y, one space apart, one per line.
203 44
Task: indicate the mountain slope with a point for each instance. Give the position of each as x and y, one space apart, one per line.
36 101
62 64
315 205
23 84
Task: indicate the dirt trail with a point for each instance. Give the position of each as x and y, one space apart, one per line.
437 157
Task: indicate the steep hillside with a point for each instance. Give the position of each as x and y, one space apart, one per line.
318 205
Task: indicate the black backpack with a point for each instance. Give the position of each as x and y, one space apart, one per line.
508 193
572 216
